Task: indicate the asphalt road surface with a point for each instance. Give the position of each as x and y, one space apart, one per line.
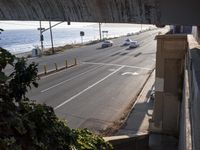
97 91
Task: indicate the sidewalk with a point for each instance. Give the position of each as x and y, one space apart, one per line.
138 120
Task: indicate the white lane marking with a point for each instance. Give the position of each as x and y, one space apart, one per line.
130 73
91 86
105 64
67 80
138 67
111 70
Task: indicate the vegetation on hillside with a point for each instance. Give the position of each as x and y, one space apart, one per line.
26 125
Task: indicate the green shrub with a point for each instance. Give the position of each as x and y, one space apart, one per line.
25 125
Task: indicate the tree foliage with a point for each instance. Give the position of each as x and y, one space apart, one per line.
25 125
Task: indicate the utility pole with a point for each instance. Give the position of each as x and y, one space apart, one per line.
42 30
41 37
100 30
53 51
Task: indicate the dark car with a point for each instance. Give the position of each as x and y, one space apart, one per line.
107 43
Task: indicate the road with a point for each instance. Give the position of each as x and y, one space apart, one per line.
97 91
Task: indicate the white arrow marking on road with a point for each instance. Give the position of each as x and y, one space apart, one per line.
111 70
130 73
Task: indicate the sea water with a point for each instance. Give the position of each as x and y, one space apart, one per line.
24 40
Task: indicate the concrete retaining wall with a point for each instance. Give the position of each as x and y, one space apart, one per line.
194 74
190 135
185 140
130 142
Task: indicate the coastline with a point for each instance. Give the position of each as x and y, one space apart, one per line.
58 49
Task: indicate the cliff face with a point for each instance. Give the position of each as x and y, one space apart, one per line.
119 11
159 12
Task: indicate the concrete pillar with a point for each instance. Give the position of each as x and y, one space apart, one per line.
170 57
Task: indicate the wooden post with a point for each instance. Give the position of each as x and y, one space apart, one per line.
45 69
56 66
75 61
66 64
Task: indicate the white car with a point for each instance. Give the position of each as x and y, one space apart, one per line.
107 43
127 42
134 44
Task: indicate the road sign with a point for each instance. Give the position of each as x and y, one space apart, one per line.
41 37
82 33
42 29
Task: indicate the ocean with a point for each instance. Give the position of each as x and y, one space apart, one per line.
24 40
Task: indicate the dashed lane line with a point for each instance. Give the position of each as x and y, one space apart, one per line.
67 80
88 88
117 65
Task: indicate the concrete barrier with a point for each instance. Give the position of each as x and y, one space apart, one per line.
129 142
185 137
194 97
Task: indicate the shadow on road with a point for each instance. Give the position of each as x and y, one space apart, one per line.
138 120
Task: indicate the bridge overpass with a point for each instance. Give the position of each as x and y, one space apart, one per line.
160 12
171 49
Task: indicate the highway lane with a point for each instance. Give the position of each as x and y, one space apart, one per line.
85 53
96 92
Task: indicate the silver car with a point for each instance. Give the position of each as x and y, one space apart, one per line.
107 43
134 44
127 42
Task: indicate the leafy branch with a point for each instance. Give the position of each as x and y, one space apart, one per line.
26 125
